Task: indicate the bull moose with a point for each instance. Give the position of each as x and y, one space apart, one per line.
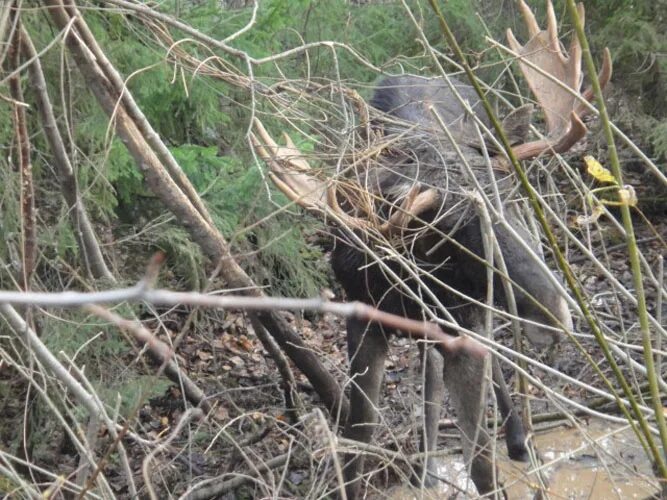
421 200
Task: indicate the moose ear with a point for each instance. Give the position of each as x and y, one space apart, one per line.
517 124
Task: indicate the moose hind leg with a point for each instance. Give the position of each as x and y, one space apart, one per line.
515 436
434 394
367 347
464 377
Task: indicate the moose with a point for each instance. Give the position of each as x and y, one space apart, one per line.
422 208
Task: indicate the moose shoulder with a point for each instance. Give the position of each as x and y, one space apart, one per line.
416 200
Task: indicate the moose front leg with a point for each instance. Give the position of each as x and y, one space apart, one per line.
464 378
434 389
434 395
367 347
515 436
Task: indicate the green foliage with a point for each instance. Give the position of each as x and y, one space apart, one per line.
62 337
239 197
195 117
96 347
634 32
6 485
9 224
639 54
133 391
659 138
381 32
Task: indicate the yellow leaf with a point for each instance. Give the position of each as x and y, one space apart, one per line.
598 171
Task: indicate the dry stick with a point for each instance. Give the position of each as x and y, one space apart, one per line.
28 230
293 404
216 489
5 17
85 469
141 292
212 243
159 351
658 316
91 254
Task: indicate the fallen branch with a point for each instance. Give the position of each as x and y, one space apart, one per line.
216 488
141 292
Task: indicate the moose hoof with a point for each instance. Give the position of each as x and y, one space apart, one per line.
518 452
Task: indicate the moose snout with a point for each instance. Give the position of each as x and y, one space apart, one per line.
547 322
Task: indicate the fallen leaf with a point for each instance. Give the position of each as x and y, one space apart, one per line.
596 169
236 361
204 355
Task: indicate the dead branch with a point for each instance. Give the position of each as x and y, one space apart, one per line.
28 223
5 29
293 403
216 488
265 305
91 254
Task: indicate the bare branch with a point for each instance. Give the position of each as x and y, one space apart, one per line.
24 162
91 254
141 293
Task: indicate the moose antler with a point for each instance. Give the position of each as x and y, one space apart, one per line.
292 174
557 93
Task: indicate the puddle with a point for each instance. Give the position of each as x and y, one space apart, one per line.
599 460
